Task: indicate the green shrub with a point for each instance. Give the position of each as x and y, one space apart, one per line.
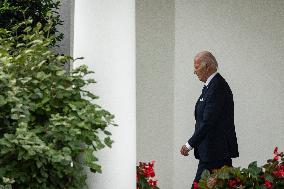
270 175
13 12
50 126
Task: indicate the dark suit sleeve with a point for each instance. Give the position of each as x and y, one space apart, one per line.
212 111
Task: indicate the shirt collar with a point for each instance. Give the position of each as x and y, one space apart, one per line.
210 78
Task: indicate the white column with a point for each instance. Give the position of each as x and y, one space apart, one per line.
104 33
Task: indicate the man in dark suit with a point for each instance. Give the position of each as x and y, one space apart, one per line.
214 140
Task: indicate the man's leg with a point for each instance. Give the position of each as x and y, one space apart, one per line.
218 164
200 169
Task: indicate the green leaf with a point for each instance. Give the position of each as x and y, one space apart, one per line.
40 75
20 45
269 178
38 26
60 72
14 116
95 168
108 141
99 145
61 58
89 156
205 174
92 96
29 51
253 169
107 132
3 101
38 164
28 29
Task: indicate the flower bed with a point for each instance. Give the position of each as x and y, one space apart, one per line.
270 175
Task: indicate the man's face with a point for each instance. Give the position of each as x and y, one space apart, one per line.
200 70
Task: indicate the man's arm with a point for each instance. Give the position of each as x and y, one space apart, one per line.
185 149
188 146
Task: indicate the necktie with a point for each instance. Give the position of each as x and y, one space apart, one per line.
204 90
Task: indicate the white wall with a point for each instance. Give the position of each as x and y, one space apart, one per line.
104 33
155 86
247 38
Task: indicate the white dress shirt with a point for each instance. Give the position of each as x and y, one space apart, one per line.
206 84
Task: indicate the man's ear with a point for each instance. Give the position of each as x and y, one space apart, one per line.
207 67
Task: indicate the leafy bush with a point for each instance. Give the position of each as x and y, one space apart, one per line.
13 12
270 175
49 126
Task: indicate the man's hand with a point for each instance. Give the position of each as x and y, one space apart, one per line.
184 150
211 182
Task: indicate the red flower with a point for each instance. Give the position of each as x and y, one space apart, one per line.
267 184
276 158
279 171
275 151
232 183
149 170
151 164
238 179
276 154
146 171
195 185
152 182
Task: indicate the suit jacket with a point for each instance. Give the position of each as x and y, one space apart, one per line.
214 137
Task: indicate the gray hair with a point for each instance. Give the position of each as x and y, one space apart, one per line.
206 57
